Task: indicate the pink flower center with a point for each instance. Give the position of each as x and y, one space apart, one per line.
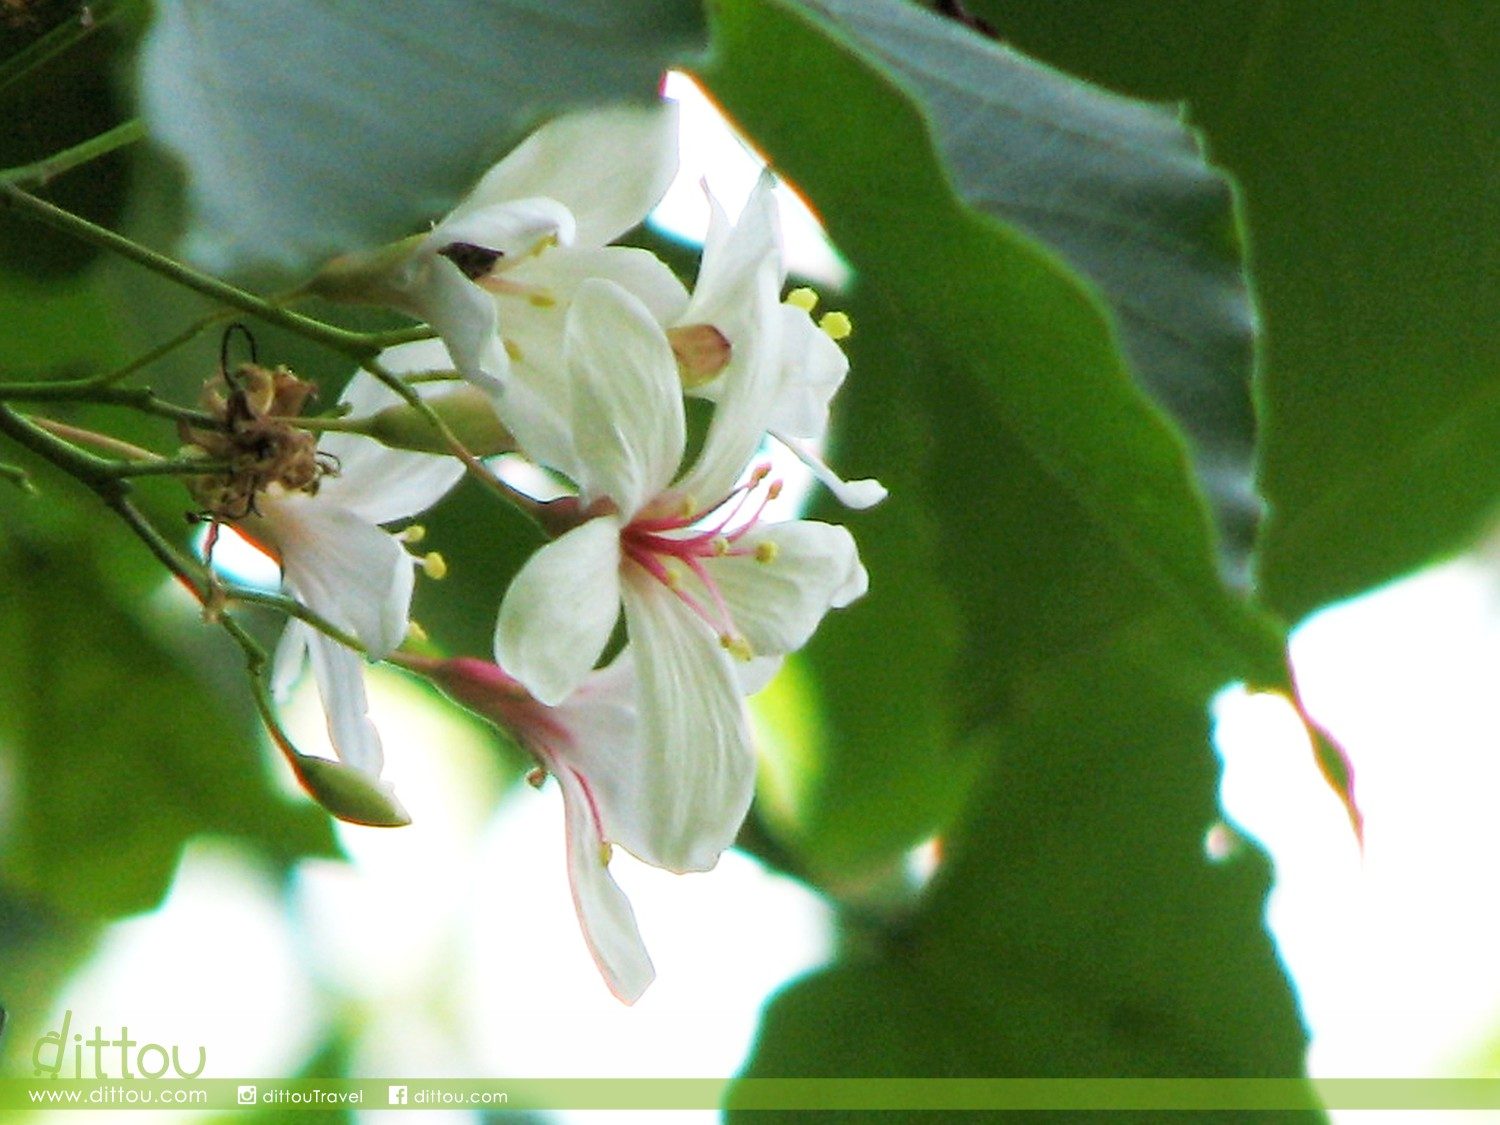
671 547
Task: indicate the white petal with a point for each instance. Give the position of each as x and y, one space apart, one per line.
603 743
512 229
343 567
291 655
604 912
560 610
734 255
856 494
341 685
608 166
627 398
698 773
539 414
777 604
461 313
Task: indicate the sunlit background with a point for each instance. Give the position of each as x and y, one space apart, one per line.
450 948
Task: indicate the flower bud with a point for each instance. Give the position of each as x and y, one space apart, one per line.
466 410
350 794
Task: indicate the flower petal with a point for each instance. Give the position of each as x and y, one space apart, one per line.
608 166
604 913
856 494
560 610
699 773
627 399
377 483
341 685
461 313
778 603
738 292
511 229
342 567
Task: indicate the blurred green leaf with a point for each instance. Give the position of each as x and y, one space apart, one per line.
311 129
1119 189
121 750
1364 138
1076 927
1040 501
65 98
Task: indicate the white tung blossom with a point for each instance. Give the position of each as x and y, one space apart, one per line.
338 561
702 580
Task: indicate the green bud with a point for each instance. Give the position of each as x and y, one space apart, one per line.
349 794
466 410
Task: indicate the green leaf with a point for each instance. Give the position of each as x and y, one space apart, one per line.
122 744
311 129
1119 189
1040 502
1364 139
1076 927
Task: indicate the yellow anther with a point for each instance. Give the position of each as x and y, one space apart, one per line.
606 852
765 551
804 299
434 566
719 545
673 576
837 325
688 507
537 778
542 300
738 647
513 350
416 633
413 534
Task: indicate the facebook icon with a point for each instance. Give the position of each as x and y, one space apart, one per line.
398 1095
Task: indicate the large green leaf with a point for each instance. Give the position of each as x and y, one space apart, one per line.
1365 139
312 128
1076 927
1040 501
121 750
1120 189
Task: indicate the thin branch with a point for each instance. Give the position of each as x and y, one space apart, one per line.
41 172
356 345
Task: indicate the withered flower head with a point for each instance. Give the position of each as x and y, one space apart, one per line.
254 437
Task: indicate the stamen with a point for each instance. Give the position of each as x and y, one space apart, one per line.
737 646
606 852
766 551
415 633
837 325
434 566
537 778
803 298
413 534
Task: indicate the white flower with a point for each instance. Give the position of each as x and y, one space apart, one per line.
337 561
811 366
699 576
590 742
536 224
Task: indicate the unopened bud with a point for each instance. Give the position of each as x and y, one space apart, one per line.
350 794
466 410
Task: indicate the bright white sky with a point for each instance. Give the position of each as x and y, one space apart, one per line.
454 946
